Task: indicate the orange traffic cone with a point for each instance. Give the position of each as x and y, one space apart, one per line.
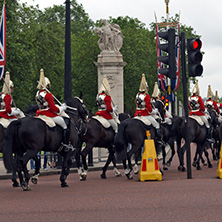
219 170
149 169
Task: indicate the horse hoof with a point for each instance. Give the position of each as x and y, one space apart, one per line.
118 175
25 187
210 166
34 180
199 168
181 168
16 184
64 184
165 168
129 176
168 164
82 178
194 164
103 176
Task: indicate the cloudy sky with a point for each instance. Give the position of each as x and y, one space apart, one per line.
203 15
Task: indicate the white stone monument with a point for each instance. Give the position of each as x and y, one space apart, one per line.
110 61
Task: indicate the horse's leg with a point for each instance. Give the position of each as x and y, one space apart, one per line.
23 162
116 171
164 158
194 164
15 182
84 153
199 151
78 162
130 168
110 158
65 167
180 153
36 174
171 144
208 159
137 157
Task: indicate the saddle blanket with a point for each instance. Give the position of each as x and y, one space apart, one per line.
102 120
4 122
143 119
198 119
47 120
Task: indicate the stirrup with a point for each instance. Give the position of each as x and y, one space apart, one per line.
67 147
210 140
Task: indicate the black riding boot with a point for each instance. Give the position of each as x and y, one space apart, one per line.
159 136
209 136
65 138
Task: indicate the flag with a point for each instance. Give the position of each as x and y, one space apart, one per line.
2 42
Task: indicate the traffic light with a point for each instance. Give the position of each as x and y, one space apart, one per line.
194 57
170 59
167 104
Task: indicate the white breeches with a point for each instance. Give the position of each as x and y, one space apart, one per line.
204 119
113 123
153 121
168 121
60 121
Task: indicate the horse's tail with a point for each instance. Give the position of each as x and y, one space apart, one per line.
120 141
174 130
7 148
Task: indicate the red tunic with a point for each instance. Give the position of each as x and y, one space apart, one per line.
148 107
215 106
106 113
200 111
52 110
8 110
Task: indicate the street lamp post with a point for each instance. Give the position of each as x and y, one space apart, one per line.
68 79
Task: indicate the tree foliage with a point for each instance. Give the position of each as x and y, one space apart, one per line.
36 39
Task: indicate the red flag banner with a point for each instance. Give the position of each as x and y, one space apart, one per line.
2 42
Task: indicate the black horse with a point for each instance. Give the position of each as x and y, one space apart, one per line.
196 134
215 149
96 135
27 136
132 131
167 135
30 111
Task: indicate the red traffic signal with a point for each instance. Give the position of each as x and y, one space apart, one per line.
194 57
195 44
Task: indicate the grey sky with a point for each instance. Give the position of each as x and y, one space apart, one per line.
203 15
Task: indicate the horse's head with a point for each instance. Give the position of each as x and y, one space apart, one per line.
78 103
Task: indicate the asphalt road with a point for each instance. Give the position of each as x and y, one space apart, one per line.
175 198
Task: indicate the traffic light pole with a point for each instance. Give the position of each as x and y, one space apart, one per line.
185 102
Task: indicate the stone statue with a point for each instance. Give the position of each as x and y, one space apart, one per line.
110 37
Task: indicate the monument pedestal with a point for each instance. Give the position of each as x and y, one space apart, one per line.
110 63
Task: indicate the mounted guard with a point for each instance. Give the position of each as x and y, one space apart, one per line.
156 96
144 107
7 113
196 105
210 103
104 103
47 107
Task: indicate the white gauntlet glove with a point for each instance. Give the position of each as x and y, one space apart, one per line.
155 111
15 112
115 109
63 107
